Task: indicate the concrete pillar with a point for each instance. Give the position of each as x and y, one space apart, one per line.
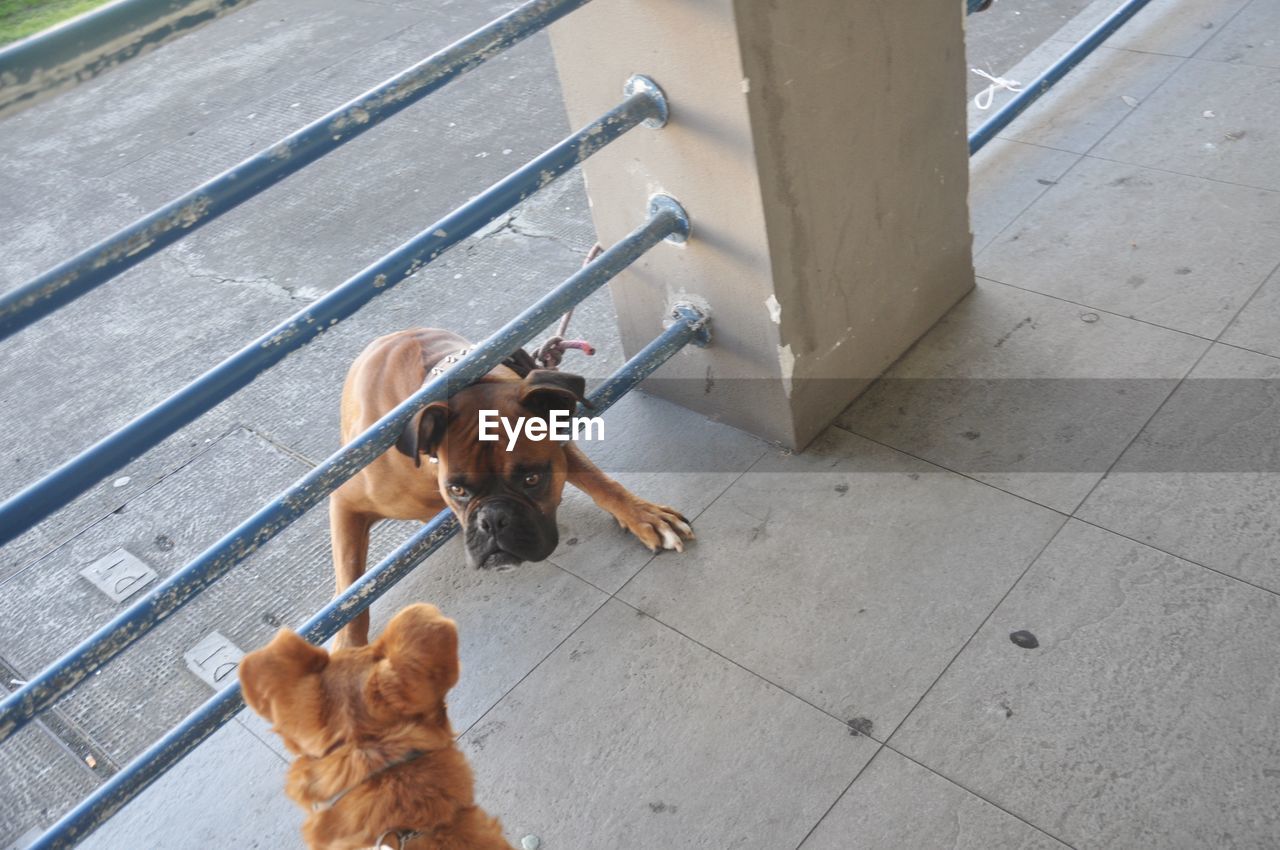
819 149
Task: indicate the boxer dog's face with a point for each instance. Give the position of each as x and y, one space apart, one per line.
505 499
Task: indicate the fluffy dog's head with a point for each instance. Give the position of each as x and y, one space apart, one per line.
317 702
505 495
376 755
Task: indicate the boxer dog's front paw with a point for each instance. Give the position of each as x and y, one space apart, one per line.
657 526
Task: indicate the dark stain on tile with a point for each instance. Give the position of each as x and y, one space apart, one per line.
860 726
1024 639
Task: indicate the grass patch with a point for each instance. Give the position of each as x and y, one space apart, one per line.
21 18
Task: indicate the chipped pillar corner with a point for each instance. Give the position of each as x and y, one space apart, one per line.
819 149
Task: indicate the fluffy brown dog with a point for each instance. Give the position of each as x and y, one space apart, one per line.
377 765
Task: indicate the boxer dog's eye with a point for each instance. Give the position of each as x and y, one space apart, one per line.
532 479
457 491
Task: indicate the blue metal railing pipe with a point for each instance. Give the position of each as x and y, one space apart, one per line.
36 501
1041 84
146 236
690 327
666 220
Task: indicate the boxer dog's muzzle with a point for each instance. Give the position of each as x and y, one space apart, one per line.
504 496
503 532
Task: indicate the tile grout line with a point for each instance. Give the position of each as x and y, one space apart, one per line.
1089 152
759 676
1105 473
1218 339
944 468
1031 563
1188 560
235 718
1148 322
1228 22
1270 190
840 796
979 252
1174 392
1065 516
1186 60
296 454
1090 155
1081 155
458 736
710 504
610 597
970 791
1066 520
1001 232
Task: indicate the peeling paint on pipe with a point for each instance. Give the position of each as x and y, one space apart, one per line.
89 269
37 501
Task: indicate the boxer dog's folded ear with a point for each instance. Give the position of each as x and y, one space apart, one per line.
545 390
424 431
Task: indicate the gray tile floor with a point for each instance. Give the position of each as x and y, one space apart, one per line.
1084 449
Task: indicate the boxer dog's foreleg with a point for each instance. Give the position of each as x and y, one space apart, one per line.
349 532
657 526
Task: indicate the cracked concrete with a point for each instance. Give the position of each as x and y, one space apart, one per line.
180 255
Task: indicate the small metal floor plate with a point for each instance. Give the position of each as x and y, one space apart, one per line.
214 660
120 574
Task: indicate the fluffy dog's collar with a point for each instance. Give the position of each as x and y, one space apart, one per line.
403 836
325 805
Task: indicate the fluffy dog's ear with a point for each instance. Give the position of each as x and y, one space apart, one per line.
280 681
424 431
545 390
419 650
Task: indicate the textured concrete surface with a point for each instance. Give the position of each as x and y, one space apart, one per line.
1086 105
830 664
633 735
226 794
881 811
883 536
1031 394
1212 119
1103 238
1257 326
1141 719
1006 177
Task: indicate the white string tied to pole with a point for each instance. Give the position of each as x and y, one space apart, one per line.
985 97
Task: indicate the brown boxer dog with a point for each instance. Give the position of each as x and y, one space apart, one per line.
505 500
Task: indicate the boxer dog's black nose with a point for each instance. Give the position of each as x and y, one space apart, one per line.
491 518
